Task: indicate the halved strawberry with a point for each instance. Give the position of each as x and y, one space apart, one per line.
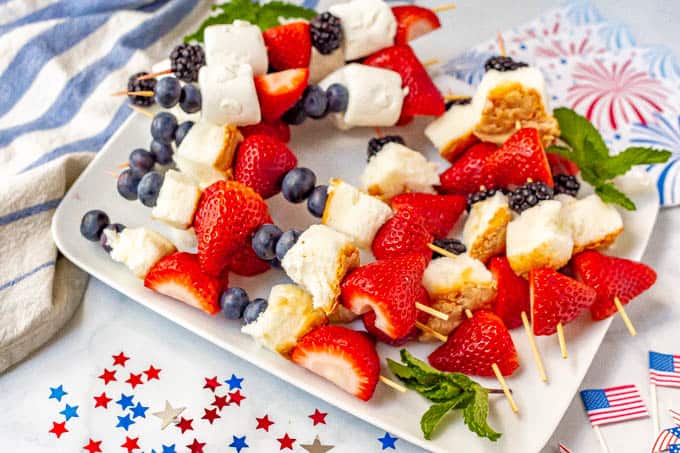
276 129
477 344
279 91
245 262
179 276
440 212
413 21
470 171
512 296
262 162
369 323
403 234
389 288
520 158
556 298
561 166
423 97
345 357
612 277
288 46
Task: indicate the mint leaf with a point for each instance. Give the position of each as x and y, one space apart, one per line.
610 194
577 131
269 14
476 413
623 162
434 415
443 391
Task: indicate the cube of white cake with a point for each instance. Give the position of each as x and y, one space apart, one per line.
138 248
367 26
593 223
538 238
375 96
319 261
177 200
321 65
289 316
184 240
396 169
229 95
354 213
237 43
485 229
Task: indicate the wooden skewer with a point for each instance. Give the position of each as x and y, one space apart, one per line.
441 9
501 44
378 132
431 331
560 337
534 347
123 165
153 75
624 316
144 93
441 251
455 97
432 312
431 62
389 382
141 110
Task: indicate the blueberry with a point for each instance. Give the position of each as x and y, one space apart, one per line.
315 101
182 131
117 227
264 241
149 187
298 184
296 114
338 97
142 161
127 184
163 127
316 203
286 241
253 310
162 151
168 91
93 223
190 99
233 301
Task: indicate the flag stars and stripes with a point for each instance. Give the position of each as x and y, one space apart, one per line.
613 404
665 439
664 369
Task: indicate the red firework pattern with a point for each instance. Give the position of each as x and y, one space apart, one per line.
616 94
558 49
532 33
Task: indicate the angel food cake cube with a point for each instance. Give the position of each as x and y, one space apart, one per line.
177 200
538 238
138 248
396 169
367 26
593 223
237 43
319 261
354 213
229 95
486 227
290 315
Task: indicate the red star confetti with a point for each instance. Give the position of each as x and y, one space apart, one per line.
58 429
264 423
131 444
210 415
134 380
318 417
108 376
196 446
236 397
93 446
102 401
152 373
120 359
286 442
220 402
184 424
211 383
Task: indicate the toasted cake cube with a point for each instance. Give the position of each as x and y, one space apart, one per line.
593 223
453 132
177 200
229 95
290 315
354 213
319 261
237 43
138 248
367 26
486 226
321 65
397 169
539 238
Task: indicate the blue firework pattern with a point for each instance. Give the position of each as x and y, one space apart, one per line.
468 66
662 61
581 12
661 133
617 35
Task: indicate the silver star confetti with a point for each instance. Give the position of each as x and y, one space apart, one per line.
317 446
169 414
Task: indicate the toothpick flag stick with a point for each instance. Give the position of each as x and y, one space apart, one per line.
153 75
431 331
432 312
624 316
563 343
441 9
501 44
600 439
141 110
144 93
655 407
534 347
390 383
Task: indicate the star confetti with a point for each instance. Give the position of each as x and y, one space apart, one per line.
131 444
152 373
286 442
318 417
120 359
102 401
234 382
169 449
57 393
236 397
388 441
93 446
169 414
316 446
69 412
264 423
125 401
211 383
134 380
58 429
139 411
210 415
238 443
108 376
124 422
196 446
220 402
184 424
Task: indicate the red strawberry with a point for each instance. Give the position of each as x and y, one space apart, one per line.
369 323
262 162
276 129
423 97
556 298
413 22
179 275
512 297
440 212
405 233
477 344
245 262
612 277
227 215
521 157
561 166
288 46
390 288
279 91
343 356
470 171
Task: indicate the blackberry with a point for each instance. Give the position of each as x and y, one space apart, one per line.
326 33
458 101
141 85
529 195
186 60
375 144
567 184
481 196
503 64
454 246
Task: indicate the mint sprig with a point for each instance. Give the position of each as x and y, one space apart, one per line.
587 149
448 392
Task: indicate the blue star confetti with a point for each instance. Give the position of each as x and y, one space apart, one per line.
169 449
139 411
125 401
69 412
57 393
234 382
124 422
238 443
388 441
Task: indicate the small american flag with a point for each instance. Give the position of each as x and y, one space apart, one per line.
675 448
613 404
664 369
665 439
564 449
675 415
